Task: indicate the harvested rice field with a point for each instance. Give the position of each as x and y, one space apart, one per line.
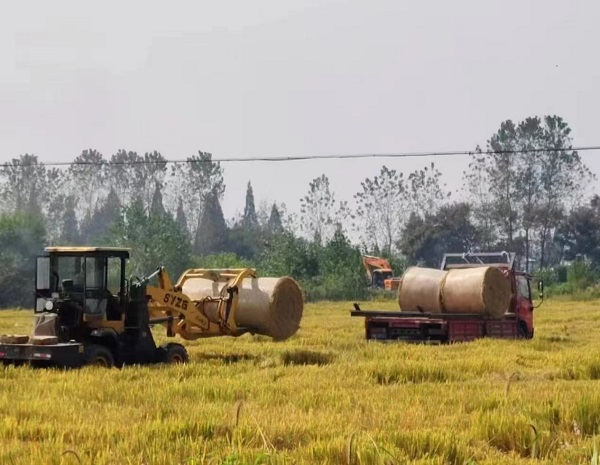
325 396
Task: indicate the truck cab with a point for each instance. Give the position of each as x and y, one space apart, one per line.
523 305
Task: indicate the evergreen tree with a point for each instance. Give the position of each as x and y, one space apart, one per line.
579 233
55 205
244 237
154 241
425 239
150 176
180 218
211 234
250 219
194 180
96 229
274 225
70 231
22 237
157 208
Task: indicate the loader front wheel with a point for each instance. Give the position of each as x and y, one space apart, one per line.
172 353
99 356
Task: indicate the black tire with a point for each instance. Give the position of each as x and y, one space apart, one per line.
522 331
99 356
172 353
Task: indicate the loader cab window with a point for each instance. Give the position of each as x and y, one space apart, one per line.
93 281
73 275
42 283
95 285
43 273
94 273
523 287
113 277
68 273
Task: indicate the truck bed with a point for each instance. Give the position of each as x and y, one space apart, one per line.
68 354
435 327
436 316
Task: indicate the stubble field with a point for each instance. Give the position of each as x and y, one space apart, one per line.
325 396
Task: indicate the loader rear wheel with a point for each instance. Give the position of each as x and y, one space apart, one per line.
99 356
172 353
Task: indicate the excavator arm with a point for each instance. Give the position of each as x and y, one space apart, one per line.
191 319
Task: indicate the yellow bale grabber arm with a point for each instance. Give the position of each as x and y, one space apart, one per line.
194 319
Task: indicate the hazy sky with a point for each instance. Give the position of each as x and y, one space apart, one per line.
275 78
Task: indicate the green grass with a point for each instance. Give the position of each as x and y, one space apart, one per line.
325 396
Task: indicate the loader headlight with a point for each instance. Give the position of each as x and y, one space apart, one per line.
49 305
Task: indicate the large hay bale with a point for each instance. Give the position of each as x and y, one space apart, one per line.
483 290
271 306
14 339
420 290
44 340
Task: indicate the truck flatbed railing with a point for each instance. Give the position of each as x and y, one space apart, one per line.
475 259
397 314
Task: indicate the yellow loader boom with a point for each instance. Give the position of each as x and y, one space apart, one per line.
169 306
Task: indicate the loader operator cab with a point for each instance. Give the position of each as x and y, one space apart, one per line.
91 313
82 283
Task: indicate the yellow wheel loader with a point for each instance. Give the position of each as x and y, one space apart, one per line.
88 312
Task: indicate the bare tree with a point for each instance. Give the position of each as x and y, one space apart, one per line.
319 212
192 182
382 209
86 181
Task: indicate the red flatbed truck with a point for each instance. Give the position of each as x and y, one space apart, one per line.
516 323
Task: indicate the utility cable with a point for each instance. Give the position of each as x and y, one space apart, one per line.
306 157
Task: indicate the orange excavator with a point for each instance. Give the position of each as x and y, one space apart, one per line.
379 273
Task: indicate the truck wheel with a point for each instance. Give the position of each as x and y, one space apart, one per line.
99 356
522 331
172 353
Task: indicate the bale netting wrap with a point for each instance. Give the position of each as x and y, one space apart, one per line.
483 290
271 306
420 290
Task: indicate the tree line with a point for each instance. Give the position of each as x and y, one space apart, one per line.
524 192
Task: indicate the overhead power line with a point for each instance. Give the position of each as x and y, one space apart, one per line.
451 153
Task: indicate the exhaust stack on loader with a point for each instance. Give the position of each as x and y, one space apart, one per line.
87 312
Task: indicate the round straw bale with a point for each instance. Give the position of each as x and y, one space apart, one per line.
483 290
269 306
199 289
420 290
